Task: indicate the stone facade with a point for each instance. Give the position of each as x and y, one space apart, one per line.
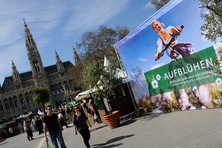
15 93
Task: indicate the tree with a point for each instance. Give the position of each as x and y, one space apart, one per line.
103 79
95 44
212 28
159 3
40 95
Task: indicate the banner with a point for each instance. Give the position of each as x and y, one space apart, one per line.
194 70
169 64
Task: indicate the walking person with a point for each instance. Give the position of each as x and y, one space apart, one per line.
39 125
33 124
28 129
95 112
62 120
79 121
51 121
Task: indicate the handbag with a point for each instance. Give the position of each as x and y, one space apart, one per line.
95 117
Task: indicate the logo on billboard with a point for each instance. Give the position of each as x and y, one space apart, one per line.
219 81
155 83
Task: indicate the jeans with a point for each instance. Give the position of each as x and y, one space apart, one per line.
29 134
54 135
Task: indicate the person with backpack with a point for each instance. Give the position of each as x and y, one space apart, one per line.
62 120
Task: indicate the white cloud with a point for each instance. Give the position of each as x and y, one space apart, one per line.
89 14
157 65
148 6
141 59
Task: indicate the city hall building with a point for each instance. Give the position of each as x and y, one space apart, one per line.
15 92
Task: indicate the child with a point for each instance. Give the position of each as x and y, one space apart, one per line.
177 50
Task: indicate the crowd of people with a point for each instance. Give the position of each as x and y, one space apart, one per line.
54 120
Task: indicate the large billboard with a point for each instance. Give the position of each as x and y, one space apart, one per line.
170 65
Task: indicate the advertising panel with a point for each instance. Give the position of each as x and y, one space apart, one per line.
170 65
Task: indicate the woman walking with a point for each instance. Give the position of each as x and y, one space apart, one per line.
28 130
79 121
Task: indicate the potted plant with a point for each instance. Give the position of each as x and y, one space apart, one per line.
108 85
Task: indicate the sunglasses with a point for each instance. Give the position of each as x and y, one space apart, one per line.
49 109
76 108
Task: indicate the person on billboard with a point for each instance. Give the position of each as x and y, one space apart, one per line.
168 38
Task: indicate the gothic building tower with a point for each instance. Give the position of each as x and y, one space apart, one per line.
60 67
34 57
15 93
78 62
15 74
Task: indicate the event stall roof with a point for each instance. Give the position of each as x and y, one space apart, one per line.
23 116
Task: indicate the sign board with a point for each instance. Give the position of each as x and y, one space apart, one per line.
169 64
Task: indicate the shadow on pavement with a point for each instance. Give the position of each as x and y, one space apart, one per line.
39 137
127 122
98 128
106 145
2 143
147 117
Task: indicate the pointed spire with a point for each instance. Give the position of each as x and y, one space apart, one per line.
76 57
33 53
59 64
14 70
57 57
15 73
25 25
13 64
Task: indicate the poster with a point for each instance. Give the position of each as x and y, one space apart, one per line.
169 64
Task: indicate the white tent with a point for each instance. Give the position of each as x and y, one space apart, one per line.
86 93
40 113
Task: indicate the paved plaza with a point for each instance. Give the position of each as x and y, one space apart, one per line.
181 129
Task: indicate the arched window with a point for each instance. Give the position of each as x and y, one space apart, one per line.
57 92
61 90
16 103
36 65
7 106
22 101
12 105
1 108
53 93
28 99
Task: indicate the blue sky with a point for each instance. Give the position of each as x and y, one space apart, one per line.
57 25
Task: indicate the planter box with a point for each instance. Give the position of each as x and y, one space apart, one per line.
113 119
